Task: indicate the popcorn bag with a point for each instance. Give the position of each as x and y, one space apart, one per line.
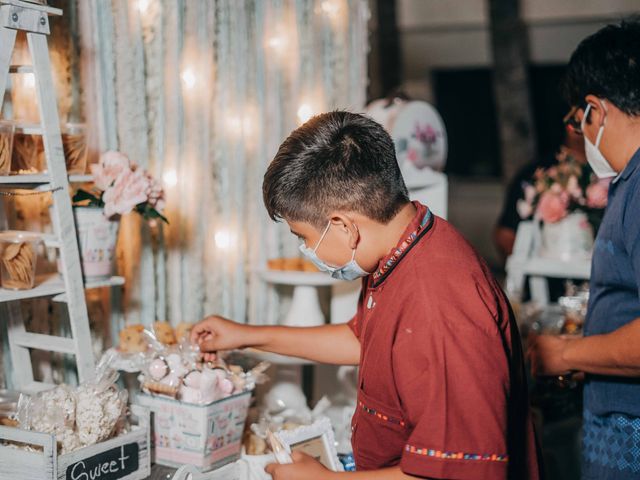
89 414
78 432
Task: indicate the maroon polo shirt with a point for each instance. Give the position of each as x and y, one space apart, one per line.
442 388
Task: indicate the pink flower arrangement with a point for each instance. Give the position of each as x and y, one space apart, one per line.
568 187
598 193
111 165
553 206
120 187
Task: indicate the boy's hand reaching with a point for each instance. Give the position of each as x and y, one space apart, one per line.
216 333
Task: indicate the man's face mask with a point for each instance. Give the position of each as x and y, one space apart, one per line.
598 163
349 271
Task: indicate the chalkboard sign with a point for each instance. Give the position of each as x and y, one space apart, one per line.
110 465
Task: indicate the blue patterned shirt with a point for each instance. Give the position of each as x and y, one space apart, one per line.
615 289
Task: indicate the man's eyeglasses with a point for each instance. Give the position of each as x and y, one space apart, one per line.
571 120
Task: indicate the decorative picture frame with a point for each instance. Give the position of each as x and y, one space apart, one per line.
316 440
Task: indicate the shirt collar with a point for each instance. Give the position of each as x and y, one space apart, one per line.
630 168
419 225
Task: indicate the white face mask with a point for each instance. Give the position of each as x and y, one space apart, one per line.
596 160
349 271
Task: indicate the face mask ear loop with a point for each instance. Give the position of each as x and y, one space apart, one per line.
601 130
353 256
322 236
584 117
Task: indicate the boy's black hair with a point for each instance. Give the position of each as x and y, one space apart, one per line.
335 161
607 65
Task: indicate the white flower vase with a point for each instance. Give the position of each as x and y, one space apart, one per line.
569 239
97 237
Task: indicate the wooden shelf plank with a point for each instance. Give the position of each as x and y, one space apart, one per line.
46 286
24 179
53 285
21 69
36 180
50 343
107 282
33 6
29 128
35 387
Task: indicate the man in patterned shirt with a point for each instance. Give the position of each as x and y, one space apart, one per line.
603 85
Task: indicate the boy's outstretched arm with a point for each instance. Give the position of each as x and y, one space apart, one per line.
334 344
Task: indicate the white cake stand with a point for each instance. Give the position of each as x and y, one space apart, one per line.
305 311
305 308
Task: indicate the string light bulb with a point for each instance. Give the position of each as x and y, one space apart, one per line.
330 8
143 6
188 78
305 112
276 42
223 239
30 80
234 126
170 178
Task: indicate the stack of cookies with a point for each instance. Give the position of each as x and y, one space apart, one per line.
295 264
18 264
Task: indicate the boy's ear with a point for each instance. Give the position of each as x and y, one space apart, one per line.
598 112
346 226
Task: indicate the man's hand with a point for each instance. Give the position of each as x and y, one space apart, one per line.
303 467
216 333
547 354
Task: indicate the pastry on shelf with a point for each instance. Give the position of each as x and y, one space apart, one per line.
132 339
19 262
183 331
164 333
293 264
6 146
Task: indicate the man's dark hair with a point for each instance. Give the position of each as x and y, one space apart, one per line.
335 161
607 65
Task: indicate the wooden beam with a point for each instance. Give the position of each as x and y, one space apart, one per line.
511 86
389 56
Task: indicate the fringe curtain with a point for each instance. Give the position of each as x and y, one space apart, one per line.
202 93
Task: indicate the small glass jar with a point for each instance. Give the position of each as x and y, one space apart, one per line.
18 258
28 154
7 131
74 144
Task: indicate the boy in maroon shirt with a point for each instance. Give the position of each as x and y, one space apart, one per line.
441 388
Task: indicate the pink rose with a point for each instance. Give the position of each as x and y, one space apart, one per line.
111 166
155 193
573 187
597 193
552 207
128 190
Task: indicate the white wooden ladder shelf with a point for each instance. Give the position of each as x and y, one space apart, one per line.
33 19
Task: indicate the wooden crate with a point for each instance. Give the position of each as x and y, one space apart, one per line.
126 457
